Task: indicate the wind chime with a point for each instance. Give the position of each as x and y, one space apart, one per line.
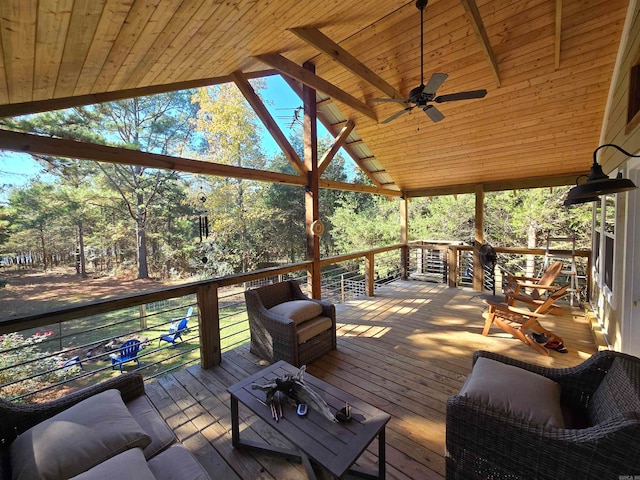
203 221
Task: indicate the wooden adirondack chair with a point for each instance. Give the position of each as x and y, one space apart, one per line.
532 290
522 322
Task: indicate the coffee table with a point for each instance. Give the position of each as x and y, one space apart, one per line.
334 446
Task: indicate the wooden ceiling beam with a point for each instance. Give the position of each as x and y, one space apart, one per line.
15 109
498 186
302 75
338 142
353 187
58 147
558 36
333 131
473 14
324 44
36 144
270 124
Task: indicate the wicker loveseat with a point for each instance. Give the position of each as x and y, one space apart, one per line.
493 432
109 430
287 325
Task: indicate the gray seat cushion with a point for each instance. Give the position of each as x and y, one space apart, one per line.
151 422
309 329
128 464
177 463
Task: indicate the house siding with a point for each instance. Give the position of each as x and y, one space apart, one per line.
609 306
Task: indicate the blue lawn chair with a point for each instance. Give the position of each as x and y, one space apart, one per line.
176 329
127 352
175 333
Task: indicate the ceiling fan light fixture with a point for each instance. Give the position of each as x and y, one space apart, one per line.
598 183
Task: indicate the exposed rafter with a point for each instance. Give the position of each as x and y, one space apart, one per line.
14 109
334 131
338 142
324 44
558 37
272 127
473 14
294 70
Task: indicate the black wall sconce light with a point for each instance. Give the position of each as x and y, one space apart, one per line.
598 183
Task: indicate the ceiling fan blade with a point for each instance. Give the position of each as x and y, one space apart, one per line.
397 114
461 96
433 113
434 83
394 100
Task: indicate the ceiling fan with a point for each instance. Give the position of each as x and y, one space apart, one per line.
422 95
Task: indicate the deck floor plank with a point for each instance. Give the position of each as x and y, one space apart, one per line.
405 351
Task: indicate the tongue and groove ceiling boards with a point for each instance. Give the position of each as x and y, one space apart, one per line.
546 65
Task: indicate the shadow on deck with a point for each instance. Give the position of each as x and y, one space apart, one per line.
404 351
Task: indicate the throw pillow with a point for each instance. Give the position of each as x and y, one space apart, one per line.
516 391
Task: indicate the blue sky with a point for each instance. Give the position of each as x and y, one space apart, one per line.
17 168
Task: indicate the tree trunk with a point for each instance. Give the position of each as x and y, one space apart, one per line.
83 263
44 249
141 252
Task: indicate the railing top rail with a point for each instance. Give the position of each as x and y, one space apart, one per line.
97 307
362 253
510 250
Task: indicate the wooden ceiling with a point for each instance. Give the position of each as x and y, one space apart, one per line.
546 64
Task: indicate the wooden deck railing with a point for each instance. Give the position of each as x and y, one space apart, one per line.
358 273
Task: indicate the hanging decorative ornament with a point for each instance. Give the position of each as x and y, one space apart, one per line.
317 228
203 218
203 222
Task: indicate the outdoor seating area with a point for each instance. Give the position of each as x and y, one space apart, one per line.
108 430
495 426
287 325
405 351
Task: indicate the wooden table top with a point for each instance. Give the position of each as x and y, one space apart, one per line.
335 446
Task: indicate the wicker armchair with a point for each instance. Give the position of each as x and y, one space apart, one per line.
287 325
600 405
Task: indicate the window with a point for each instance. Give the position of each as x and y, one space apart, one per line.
633 109
604 222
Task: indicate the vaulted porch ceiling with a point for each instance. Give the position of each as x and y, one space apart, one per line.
546 64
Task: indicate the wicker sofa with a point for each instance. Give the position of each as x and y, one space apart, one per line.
515 420
287 325
109 430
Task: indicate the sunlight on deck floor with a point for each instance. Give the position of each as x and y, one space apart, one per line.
405 351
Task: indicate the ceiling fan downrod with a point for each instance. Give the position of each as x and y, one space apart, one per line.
421 5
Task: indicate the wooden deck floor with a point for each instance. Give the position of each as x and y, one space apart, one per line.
405 351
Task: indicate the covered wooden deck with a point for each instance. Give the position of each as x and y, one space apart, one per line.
406 350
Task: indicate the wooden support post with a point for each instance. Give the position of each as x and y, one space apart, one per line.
478 273
210 348
404 237
452 266
312 208
143 316
370 273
